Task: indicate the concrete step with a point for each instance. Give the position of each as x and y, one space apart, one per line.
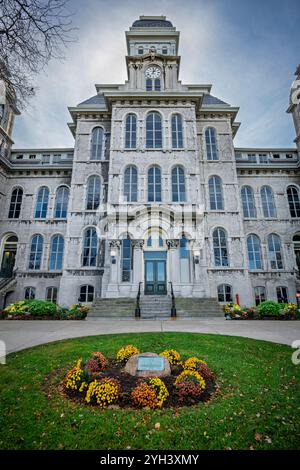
112 308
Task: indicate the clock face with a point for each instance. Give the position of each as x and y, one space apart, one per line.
153 72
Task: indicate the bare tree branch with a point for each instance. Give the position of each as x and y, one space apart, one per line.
32 32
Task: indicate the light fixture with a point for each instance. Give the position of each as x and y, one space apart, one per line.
113 256
196 256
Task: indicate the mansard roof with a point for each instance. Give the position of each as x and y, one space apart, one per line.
94 100
158 22
212 100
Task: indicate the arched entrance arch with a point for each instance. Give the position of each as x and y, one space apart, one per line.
8 258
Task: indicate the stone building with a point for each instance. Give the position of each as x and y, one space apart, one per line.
154 195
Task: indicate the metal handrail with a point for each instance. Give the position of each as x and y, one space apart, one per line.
173 307
137 312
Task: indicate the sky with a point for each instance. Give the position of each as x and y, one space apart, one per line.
248 51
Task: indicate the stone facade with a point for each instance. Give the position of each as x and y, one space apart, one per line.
166 229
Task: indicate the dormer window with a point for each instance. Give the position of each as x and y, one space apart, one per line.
165 50
140 50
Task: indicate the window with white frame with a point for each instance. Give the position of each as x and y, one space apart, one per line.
51 294
130 184
225 293
216 201
275 251
294 201
268 202
211 144
259 294
15 203
86 293
153 131
178 184
61 202
177 132
97 143
90 247
56 253
254 252
41 206
130 131
248 203
36 252
220 247
126 259
93 192
282 294
29 293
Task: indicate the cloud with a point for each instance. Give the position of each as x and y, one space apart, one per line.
249 58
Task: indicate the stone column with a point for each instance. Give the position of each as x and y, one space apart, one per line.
113 284
174 267
137 262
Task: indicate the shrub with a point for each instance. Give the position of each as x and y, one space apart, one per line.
193 363
76 379
269 308
187 392
172 355
36 308
77 312
103 392
150 394
191 376
206 373
96 363
126 352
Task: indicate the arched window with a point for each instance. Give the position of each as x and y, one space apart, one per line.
275 251
177 134
36 252
15 203
90 246
259 294
248 202
282 294
130 131
153 84
93 192
42 203
97 143
211 144
294 201
153 131
86 293
61 202
29 293
254 252
178 184
51 294
130 184
225 293
154 184
220 247
56 252
127 259
268 203
215 193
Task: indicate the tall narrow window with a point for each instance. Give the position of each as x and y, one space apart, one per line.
130 131
42 203
215 193
126 259
177 134
154 184
294 201
97 143
184 255
51 294
93 192
153 131
29 293
254 252
36 252
225 293
248 202
178 185
130 184
90 246
282 295
86 293
211 144
275 251
260 294
61 202
15 203
220 247
56 252
268 203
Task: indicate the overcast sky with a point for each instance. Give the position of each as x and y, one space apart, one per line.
248 50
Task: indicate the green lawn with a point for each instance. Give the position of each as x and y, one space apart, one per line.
258 405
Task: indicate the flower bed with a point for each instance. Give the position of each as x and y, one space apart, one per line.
102 383
268 310
43 310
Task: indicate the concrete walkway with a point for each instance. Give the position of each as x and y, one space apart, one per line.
20 335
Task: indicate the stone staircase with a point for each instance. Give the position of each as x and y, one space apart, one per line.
112 308
155 306
198 307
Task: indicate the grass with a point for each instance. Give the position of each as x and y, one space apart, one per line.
258 406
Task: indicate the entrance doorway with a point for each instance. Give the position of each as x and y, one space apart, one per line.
155 273
9 256
296 240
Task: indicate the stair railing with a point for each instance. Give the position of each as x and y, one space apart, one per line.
137 312
173 307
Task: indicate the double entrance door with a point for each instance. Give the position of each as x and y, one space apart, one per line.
155 273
